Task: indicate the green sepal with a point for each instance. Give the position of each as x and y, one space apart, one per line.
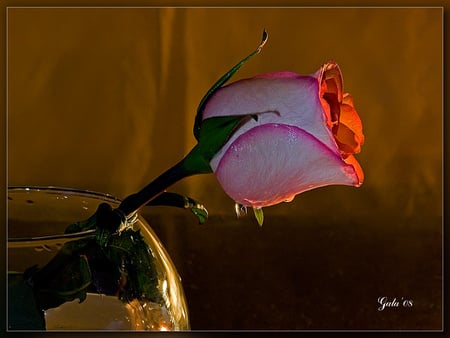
214 133
199 117
179 201
259 215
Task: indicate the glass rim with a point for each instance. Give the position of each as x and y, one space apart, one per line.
59 238
55 189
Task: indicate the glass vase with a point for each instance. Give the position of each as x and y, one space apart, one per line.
37 217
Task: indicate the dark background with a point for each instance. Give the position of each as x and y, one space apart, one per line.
104 99
307 272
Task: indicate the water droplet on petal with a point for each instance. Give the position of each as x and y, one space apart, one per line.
241 210
289 199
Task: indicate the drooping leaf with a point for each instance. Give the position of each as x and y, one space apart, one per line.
180 201
201 213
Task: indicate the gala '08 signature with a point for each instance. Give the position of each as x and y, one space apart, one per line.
386 302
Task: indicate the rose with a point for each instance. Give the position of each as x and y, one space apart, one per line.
304 136
268 138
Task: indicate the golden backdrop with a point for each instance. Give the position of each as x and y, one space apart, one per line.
104 99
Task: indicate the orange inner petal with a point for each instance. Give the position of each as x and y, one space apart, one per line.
358 169
347 141
350 118
342 118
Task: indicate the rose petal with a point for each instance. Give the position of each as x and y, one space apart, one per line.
262 94
358 169
290 99
339 109
331 75
350 118
279 75
347 141
272 163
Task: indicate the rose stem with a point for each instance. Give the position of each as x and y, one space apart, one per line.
135 201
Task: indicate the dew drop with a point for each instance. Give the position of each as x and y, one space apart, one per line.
241 210
289 199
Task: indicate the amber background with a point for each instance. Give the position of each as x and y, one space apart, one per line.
104 99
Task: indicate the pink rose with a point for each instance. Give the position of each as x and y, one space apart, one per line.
304 137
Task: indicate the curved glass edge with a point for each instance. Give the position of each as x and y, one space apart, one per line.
61 238
56 189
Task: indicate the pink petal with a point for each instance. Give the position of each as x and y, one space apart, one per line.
262 94
281 74
272 163
283 97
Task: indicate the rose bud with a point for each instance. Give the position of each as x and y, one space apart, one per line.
303 136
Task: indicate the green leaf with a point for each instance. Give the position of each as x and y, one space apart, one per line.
180 201
220 83
259 215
